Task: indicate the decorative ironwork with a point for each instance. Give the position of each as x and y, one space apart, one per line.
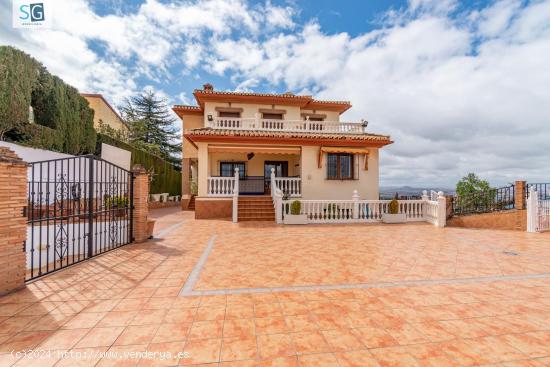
485 202
78 207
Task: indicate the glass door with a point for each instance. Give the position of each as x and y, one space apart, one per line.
281 170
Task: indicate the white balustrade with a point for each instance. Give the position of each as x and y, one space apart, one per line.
220 186
329 127
289 185
358 211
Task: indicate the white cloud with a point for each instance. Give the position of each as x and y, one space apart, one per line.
456 94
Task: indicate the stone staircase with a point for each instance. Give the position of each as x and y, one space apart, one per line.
256 208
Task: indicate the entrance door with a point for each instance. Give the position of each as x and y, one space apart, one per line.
281 170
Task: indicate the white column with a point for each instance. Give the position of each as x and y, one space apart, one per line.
236 197
532 210
425 198
203 168
272 182
355 199
441 209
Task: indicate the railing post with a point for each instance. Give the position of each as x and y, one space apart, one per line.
532 210
257 118
236 196
91 163
355 199
278 208
441 209
272 183
425 199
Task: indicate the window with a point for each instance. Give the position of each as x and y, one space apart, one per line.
229 114
227 169
272 116
339 166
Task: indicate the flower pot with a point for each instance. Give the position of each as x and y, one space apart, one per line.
394 218
295 219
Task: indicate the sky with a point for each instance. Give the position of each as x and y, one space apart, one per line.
461 86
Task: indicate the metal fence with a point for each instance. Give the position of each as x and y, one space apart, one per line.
78 207
484 202
542 189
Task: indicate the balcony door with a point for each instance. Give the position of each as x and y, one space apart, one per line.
281 170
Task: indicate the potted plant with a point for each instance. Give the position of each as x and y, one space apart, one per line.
394 216
295 217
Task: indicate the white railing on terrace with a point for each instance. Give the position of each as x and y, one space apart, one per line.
289 185
221 186
538 212
363 211
257 123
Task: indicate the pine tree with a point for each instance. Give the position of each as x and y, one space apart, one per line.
152 126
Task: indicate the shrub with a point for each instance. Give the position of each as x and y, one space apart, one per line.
394 206
295 207
112 202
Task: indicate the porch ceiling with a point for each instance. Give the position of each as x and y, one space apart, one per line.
255 149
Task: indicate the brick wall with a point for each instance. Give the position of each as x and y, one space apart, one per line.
13 225
141 203
210 208
509 219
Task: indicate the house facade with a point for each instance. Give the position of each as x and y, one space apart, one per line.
104 113
312 154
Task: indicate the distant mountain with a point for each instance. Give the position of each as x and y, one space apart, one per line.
408 191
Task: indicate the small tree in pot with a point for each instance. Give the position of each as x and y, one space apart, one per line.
393 215
295 217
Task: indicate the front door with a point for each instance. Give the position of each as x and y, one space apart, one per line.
281 170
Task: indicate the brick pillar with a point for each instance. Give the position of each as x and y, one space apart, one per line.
519 194
141 203
185 182
13 224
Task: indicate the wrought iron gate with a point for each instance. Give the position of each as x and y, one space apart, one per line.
78 207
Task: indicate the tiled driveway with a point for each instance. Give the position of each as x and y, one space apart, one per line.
342 296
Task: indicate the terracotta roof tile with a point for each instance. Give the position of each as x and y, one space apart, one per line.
286 134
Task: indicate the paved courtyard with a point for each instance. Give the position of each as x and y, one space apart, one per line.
214 293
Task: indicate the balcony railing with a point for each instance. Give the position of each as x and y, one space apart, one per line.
329 127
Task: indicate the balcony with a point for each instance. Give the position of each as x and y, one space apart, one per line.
258 124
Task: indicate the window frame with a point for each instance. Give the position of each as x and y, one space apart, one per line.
242 173
338 176
229 114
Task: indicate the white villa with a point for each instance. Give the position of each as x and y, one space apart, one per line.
312 153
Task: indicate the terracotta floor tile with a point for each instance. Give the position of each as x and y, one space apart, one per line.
81 357
117 318
279 362
84 320
275 345
299 323
374 337
137 334
99 337
310 342
202 351
342 340
356 358
164 354
318 360
148 317
238 328
239 349
270 325
172 332
63 339
407 334
24 341
206 330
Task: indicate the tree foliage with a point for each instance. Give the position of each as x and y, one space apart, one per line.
152 126
471 184
60 112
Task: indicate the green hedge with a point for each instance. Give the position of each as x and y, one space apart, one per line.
165 177
60 112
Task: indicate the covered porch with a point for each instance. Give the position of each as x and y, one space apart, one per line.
220 166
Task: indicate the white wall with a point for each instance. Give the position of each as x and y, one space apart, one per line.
117 156
33 155
316 186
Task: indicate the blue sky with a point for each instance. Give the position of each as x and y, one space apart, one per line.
461 86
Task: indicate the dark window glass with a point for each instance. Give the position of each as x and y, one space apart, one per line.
339 166
229 114
227 169
272 116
